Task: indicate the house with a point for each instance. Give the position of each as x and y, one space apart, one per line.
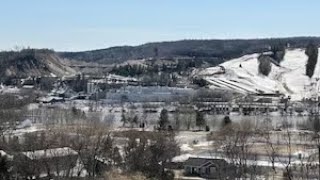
57 162
50 99
116 79
209 168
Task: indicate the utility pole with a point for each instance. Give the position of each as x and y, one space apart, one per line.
319 161
318 135
317 115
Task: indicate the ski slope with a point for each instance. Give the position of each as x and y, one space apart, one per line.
289 78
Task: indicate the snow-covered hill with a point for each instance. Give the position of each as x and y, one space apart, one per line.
242 75
28 63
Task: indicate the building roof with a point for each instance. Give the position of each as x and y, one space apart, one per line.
50 153
194 161
49 99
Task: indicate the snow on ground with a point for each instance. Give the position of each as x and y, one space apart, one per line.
189 137
19 132
33 106
50 153
8 89
242 75
190 143
3 153
185 147
203 144
181 158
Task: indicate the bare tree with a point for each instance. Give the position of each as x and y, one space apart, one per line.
149 152
187 116
237 143
92 142
177 120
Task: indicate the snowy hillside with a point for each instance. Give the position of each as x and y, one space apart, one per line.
242 75
31 62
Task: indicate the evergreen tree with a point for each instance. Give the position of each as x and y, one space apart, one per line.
278 52
312 53
164 119
226 121
4 167
155 52
264 65
200 121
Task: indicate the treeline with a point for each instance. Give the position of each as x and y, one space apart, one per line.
137 70
278 52
133 70
213 50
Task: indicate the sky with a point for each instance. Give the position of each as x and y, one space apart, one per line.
76 25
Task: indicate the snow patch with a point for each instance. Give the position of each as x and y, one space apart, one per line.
185 147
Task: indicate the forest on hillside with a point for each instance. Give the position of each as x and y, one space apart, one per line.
212 51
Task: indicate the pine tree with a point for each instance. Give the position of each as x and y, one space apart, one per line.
155 52
200 121
226 121
278 52
264 65
312 53
164 119
4 167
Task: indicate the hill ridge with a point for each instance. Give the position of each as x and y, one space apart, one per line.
210 49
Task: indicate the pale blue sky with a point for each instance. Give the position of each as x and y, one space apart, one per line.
91 24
